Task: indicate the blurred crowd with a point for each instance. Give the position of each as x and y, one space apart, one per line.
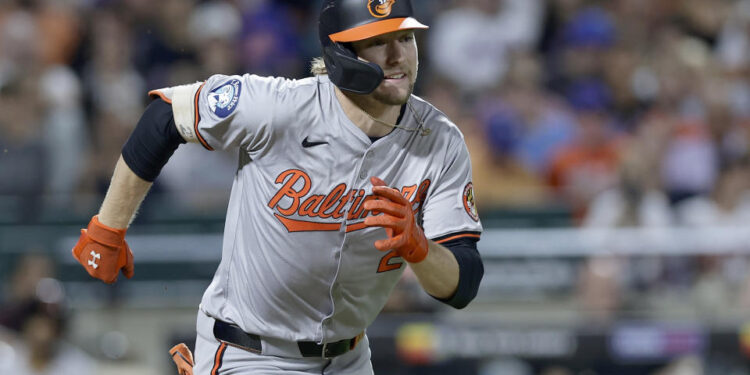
34 320
627 112
622 112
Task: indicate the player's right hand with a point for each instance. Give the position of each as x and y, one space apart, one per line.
103 252
404 235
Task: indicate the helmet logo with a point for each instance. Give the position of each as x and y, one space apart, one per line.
380 8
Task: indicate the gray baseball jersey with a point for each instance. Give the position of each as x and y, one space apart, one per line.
297 261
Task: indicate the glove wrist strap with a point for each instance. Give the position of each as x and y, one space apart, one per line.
419 252
105 235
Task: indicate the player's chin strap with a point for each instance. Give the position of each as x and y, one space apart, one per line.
424 131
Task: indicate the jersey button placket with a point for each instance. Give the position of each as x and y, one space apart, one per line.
369 156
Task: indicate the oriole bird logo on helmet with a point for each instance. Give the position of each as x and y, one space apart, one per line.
380 8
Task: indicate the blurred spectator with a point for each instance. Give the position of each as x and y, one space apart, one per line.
112 83
733 44
690 145
40 348
28 271
269 45
579 47
734 140
65 137
634 85
108 135
18 35
23 156
214 29
525 121
470 43
444 94
704 19
637 199
161 40
31 280
728 204
502 180
58 25
38 40
34 314
588 165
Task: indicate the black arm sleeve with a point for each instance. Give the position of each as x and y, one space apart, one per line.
470 271
153 141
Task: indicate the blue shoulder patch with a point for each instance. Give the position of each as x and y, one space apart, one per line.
223 100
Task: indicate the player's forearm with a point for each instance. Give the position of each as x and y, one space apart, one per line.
438 273
147 150
124 196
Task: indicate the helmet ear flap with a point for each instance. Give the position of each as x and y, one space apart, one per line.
348 72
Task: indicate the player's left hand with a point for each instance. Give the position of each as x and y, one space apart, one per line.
404 235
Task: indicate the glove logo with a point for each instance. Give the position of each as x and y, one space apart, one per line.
94 257
380 8
469 205
223 100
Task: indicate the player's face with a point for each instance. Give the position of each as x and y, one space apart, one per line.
396 53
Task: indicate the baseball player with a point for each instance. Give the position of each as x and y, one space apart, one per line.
343 180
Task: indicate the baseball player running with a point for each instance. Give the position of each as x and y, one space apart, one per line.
343 179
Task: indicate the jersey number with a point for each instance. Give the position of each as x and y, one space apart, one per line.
386 264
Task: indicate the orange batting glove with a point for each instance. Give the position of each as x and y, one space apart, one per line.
404 235
183 358
103 252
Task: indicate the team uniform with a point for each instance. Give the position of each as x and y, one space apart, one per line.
298 264
301 275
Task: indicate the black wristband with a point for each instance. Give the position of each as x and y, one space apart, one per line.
153 141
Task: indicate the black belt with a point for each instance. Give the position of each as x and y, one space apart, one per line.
234 335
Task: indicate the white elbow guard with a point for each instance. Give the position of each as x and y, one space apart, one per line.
184 101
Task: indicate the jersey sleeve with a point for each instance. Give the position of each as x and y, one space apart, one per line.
225 111
449 212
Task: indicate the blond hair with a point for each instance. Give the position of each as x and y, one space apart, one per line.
318 66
